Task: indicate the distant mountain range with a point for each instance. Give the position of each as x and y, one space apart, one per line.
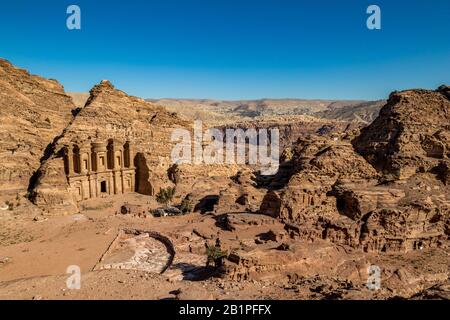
363 111
228 110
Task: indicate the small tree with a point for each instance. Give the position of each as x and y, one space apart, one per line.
186 205
215 255
166 195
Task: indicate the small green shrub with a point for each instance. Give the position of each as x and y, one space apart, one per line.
214 255
166 195
186 205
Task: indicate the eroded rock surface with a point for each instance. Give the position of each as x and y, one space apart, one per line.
411 135
33 112
385 191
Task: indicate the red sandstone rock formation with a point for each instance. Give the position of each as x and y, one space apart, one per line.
402 203
412 134
33 111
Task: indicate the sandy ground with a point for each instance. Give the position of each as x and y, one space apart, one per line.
35 255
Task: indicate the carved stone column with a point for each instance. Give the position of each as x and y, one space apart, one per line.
68 151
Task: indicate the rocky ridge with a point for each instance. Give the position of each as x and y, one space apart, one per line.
33 112
384 191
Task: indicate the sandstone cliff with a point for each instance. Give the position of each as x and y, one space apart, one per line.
411 134
385 191
33 111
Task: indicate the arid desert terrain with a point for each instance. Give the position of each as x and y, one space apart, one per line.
358 209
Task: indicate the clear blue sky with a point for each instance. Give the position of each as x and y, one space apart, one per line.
233 49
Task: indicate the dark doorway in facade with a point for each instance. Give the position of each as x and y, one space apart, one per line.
103 187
